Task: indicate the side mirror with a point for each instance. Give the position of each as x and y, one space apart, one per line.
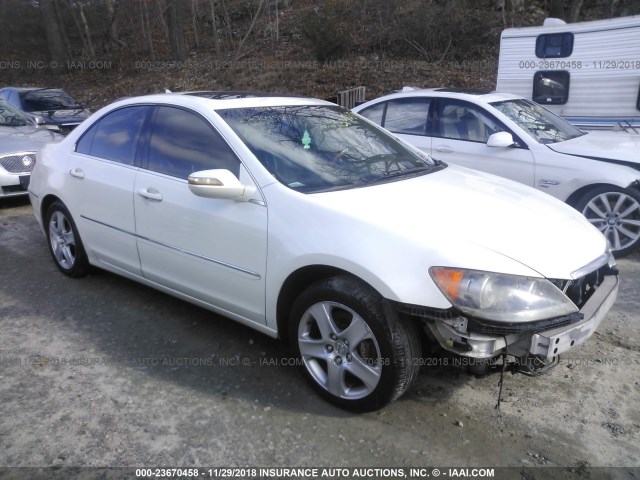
500 139
219 183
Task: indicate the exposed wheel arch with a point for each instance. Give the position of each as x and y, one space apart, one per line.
295 284
46 203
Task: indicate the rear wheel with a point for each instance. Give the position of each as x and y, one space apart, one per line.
64 241
616 213
354 349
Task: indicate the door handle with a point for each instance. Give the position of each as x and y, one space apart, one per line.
444 149
150 193
76 172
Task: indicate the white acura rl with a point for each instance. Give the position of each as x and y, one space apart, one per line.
306 222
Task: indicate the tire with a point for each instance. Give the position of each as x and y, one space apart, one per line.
354 349
616 213
64 241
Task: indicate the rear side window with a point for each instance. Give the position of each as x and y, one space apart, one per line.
183 142
407 116
551 87
115 136
374 113
554 45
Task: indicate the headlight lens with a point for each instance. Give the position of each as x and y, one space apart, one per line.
501 297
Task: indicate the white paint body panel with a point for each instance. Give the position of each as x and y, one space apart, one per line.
389 235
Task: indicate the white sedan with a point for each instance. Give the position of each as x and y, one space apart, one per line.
306 222
598 173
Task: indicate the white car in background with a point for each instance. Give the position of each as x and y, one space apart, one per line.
306 222
20 139
598 173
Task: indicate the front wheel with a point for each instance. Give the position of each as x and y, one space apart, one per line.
354 349
616 213
64 241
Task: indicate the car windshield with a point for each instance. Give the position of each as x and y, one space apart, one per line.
314 148
543 125
10 117
46 99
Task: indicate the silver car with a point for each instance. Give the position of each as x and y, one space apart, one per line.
20 139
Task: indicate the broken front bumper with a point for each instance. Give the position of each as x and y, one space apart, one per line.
457 336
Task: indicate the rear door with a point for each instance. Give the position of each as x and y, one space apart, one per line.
99 186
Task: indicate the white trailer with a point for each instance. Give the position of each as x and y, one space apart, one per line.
587 72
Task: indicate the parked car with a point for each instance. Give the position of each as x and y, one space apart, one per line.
20 139
598 173
52 107
306 222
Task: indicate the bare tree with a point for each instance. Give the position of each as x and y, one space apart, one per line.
556 9
214 26
146 30
176 33
574 10
239 53
55 36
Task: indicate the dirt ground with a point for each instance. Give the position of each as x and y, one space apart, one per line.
104 372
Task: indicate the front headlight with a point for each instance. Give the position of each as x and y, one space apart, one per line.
501 297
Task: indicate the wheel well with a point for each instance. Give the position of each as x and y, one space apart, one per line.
575 197
294 285
46 203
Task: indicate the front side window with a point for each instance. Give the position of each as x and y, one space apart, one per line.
551 87
10 117
464 121
313 148
115 136
543 125
183 142
554 45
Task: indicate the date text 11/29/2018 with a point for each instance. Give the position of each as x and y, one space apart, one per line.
313 472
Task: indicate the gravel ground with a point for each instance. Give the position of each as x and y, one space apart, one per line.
104 372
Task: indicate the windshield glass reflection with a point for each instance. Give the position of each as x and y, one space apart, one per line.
318 148
543 125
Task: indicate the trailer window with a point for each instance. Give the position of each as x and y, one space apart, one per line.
554 45
551 87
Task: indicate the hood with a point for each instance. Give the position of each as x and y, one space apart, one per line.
63 117
457 207
25 139
616 147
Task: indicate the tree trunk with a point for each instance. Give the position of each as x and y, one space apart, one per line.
239 54
113 36
146 30
176 34
194 20
55 36
214 25
556 9
87 32
574 11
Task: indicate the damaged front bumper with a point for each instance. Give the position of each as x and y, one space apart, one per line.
544 340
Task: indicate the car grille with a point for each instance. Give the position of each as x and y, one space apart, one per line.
580 290
21 163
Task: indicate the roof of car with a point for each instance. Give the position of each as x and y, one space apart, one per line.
27 89
234 95
473 95
223 101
